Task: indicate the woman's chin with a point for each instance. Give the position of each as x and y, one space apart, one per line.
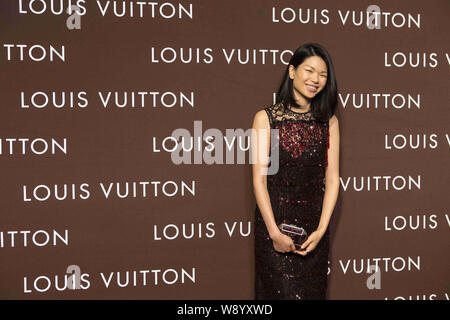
309 95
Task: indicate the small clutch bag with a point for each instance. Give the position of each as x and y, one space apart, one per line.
297 234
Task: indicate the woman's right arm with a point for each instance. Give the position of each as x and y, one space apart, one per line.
260 157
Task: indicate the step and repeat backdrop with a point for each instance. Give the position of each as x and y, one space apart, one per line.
101 199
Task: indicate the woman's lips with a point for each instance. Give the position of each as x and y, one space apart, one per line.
311 88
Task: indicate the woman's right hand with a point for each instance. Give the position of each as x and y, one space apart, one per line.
283 243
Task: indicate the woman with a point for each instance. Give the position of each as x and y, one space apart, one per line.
304 190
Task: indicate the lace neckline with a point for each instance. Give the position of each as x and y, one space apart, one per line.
288 108
279 112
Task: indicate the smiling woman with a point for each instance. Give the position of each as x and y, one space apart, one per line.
310 77
304 191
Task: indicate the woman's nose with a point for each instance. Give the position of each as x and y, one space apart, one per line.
315 77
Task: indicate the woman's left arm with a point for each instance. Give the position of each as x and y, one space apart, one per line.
331 189
331 177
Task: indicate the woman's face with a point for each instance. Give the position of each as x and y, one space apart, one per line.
310 77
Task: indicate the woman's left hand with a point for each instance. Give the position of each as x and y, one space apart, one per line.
310 244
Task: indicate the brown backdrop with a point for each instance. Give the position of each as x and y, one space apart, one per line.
404 228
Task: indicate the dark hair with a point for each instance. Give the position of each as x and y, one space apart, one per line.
324 104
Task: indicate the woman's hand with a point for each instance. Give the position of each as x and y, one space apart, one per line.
283 243
310 244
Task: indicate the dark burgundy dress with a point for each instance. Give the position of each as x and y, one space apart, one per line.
296 194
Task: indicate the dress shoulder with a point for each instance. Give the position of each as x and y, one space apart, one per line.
275 112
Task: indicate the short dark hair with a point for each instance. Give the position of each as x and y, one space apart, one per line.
324 104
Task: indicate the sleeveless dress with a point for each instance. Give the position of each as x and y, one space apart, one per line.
296 193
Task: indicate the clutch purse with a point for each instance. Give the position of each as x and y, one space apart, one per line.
297 234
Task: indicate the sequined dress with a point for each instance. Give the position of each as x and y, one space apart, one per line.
296 193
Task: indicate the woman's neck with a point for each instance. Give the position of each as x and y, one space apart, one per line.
303 102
